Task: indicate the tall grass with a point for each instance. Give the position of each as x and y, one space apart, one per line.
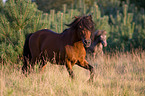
119 74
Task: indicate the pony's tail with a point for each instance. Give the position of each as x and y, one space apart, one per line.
26 54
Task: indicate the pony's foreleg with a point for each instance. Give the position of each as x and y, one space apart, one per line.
33 62
69 69
94 55
87 66
102 53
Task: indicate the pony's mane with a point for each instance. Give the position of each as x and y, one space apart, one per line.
100 32
97 33
82 22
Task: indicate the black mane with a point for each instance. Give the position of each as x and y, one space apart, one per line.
82 22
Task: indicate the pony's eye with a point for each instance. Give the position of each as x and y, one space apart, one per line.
103 37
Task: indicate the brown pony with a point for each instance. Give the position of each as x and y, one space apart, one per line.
66 48
98 40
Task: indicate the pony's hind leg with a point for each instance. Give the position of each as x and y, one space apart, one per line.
26 65
33 63
87 66
43 59
42 64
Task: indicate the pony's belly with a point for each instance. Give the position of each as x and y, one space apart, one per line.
55 58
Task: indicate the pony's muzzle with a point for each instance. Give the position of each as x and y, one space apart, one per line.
91 49
87 43
104 43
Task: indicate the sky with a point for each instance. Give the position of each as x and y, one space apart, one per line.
4 0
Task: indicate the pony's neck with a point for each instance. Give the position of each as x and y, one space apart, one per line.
70 36
96 42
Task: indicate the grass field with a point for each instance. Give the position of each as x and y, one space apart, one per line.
120 74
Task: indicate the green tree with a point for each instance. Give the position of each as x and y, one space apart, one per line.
1 5
138 3
47 5
18 17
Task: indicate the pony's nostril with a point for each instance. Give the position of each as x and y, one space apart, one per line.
89 41
85 41
91 49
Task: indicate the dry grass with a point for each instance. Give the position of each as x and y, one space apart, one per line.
121 74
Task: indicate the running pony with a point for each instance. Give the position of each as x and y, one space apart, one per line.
66 48
98 41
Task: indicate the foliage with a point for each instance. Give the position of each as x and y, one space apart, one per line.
124 23
17 19
46 5
139 3
127 29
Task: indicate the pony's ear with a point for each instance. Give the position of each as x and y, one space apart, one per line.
90 16
98 33
104 32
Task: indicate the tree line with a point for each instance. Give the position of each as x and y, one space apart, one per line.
123 21
47 5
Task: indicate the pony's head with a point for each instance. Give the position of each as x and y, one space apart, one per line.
84 26
100 37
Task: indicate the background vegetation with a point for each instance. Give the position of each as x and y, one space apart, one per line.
116 73
123 21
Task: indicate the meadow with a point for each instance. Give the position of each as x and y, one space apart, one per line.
118 74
